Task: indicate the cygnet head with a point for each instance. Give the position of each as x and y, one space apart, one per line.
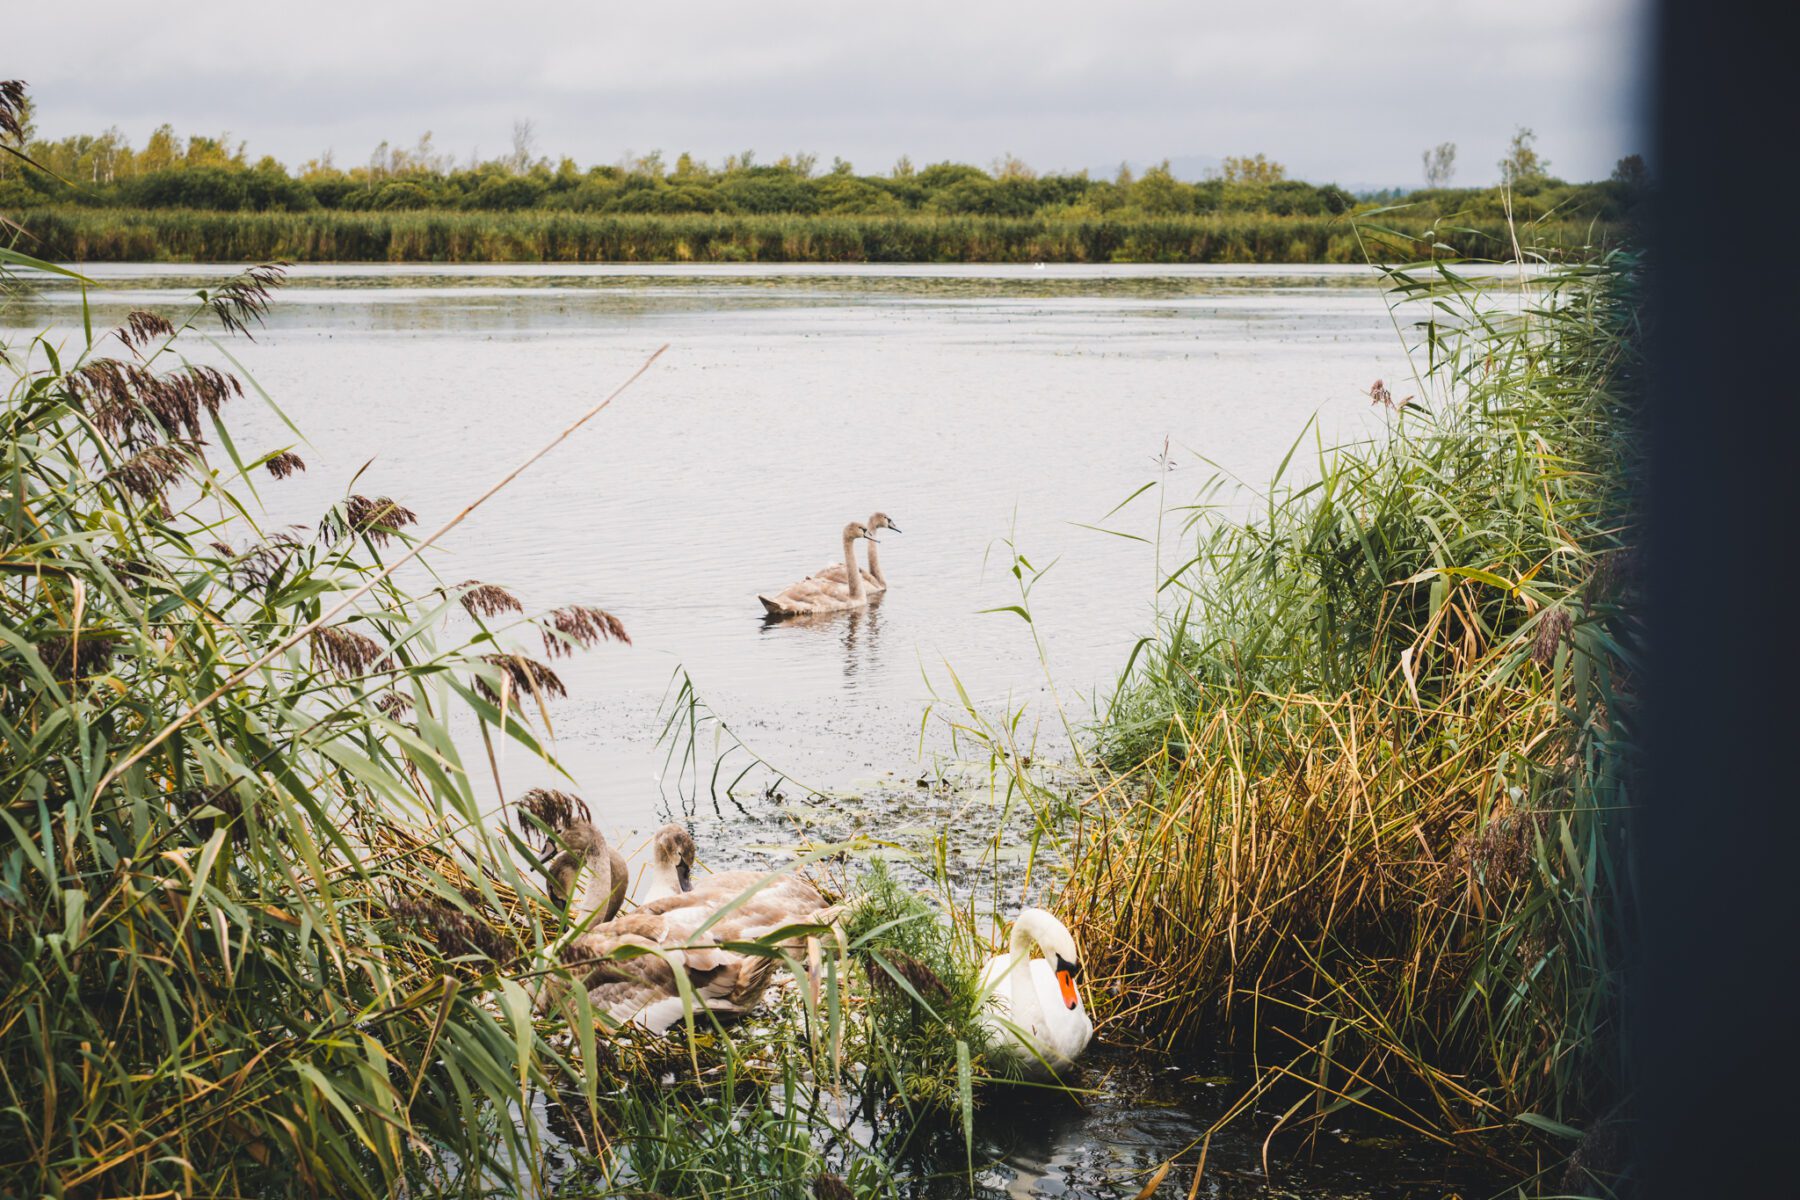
854 530
1051 936
882 521
672 859
583 847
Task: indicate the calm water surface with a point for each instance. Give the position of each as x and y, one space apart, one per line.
975 405
978 406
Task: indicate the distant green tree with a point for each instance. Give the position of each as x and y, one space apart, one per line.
1440 164
502 193
401 193
768 190
938 176
1523 164
847 194
1007 166
1159 193
970 194
1253 169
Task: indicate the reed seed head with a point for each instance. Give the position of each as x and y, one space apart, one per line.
258 565
348 652
545 811
284 464
245 300
394 705
149 472
1553 629
68 657
12 108
134 406
375 517
457 934
529 677
580 625
141 328
487 599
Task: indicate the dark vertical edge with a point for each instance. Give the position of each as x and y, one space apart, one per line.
1712 1021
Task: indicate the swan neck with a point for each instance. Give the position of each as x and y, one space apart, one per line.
1028 1012
875 565
850 568
591 886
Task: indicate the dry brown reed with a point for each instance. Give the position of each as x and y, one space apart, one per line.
284 464
377 518
543 811
487 599
348 652
580 626
528 677
141 328
12 108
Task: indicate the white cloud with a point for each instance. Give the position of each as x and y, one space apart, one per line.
1337 89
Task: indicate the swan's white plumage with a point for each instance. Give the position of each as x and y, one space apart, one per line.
1025 1011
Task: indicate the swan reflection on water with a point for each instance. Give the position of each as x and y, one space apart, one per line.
856 630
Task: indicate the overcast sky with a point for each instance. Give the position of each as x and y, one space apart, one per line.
1345 90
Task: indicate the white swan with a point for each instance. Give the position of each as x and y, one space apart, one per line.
873 579
1033 1008
815 595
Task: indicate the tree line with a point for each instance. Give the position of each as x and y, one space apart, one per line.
213 173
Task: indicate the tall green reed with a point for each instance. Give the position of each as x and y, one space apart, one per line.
1370 775
258 933
158 235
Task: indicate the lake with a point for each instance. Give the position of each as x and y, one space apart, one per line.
976 405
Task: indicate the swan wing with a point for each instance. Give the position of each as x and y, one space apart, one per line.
835 573
809 595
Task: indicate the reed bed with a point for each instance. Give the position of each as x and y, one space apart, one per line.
1365 810
258 934
453 236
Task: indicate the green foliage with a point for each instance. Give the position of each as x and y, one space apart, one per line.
251 910
923 996
739 1138
160 202
1373 766
582 234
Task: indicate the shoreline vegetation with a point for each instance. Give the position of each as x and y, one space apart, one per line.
93 235
1369 789
97 198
